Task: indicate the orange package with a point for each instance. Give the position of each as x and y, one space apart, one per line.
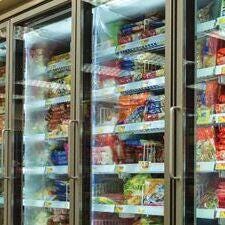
131 107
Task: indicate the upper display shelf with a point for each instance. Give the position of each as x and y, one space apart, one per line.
210 16
152 43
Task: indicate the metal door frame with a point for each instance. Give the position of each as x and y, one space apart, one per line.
40 10
5 141
174 156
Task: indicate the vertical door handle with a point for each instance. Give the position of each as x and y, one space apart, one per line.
73 176
173 109
4 131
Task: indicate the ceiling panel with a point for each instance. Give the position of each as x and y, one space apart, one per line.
8 4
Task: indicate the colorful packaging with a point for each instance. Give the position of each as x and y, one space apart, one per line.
154 109
131 108
153 192
133 189
102 155
211 93
205 144
209 52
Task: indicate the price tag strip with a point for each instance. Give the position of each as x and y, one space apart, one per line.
140 209
220 165
151 42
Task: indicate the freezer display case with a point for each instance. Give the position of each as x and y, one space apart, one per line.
126 75
205 95
40 112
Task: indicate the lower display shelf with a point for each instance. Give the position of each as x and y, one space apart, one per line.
210 167
60 170
218 213
129 209
46 204
142 167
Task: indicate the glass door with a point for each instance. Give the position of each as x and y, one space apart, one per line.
4 50
205 118
40 115
124 107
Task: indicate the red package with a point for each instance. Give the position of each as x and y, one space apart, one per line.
127 106
124 79
148 33
220 60
211 93
124 39
204 133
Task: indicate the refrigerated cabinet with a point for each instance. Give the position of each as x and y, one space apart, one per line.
123 62
40 114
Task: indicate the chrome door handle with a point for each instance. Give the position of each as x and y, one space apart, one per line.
173 109
4 131
175 178
73 178
71 175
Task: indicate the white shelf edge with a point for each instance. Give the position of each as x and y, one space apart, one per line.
45 170
128 168
46 204
148 127
129 209
205 213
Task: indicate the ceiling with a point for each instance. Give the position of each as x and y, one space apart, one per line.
5 5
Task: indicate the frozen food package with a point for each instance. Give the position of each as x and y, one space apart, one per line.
211 93
131 108
102 155
153 192
205 144
154 109
133 189
205 14
209 51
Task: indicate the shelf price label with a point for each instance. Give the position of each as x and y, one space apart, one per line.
121 89
121 47
118 209
119 169
198 168
222 214
140 210
221 21
223 70
121 128
48 170
47 204
220 166
144 165
100 130
143 42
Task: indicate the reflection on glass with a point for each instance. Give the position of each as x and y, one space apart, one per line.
43 94
128 112
209 89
